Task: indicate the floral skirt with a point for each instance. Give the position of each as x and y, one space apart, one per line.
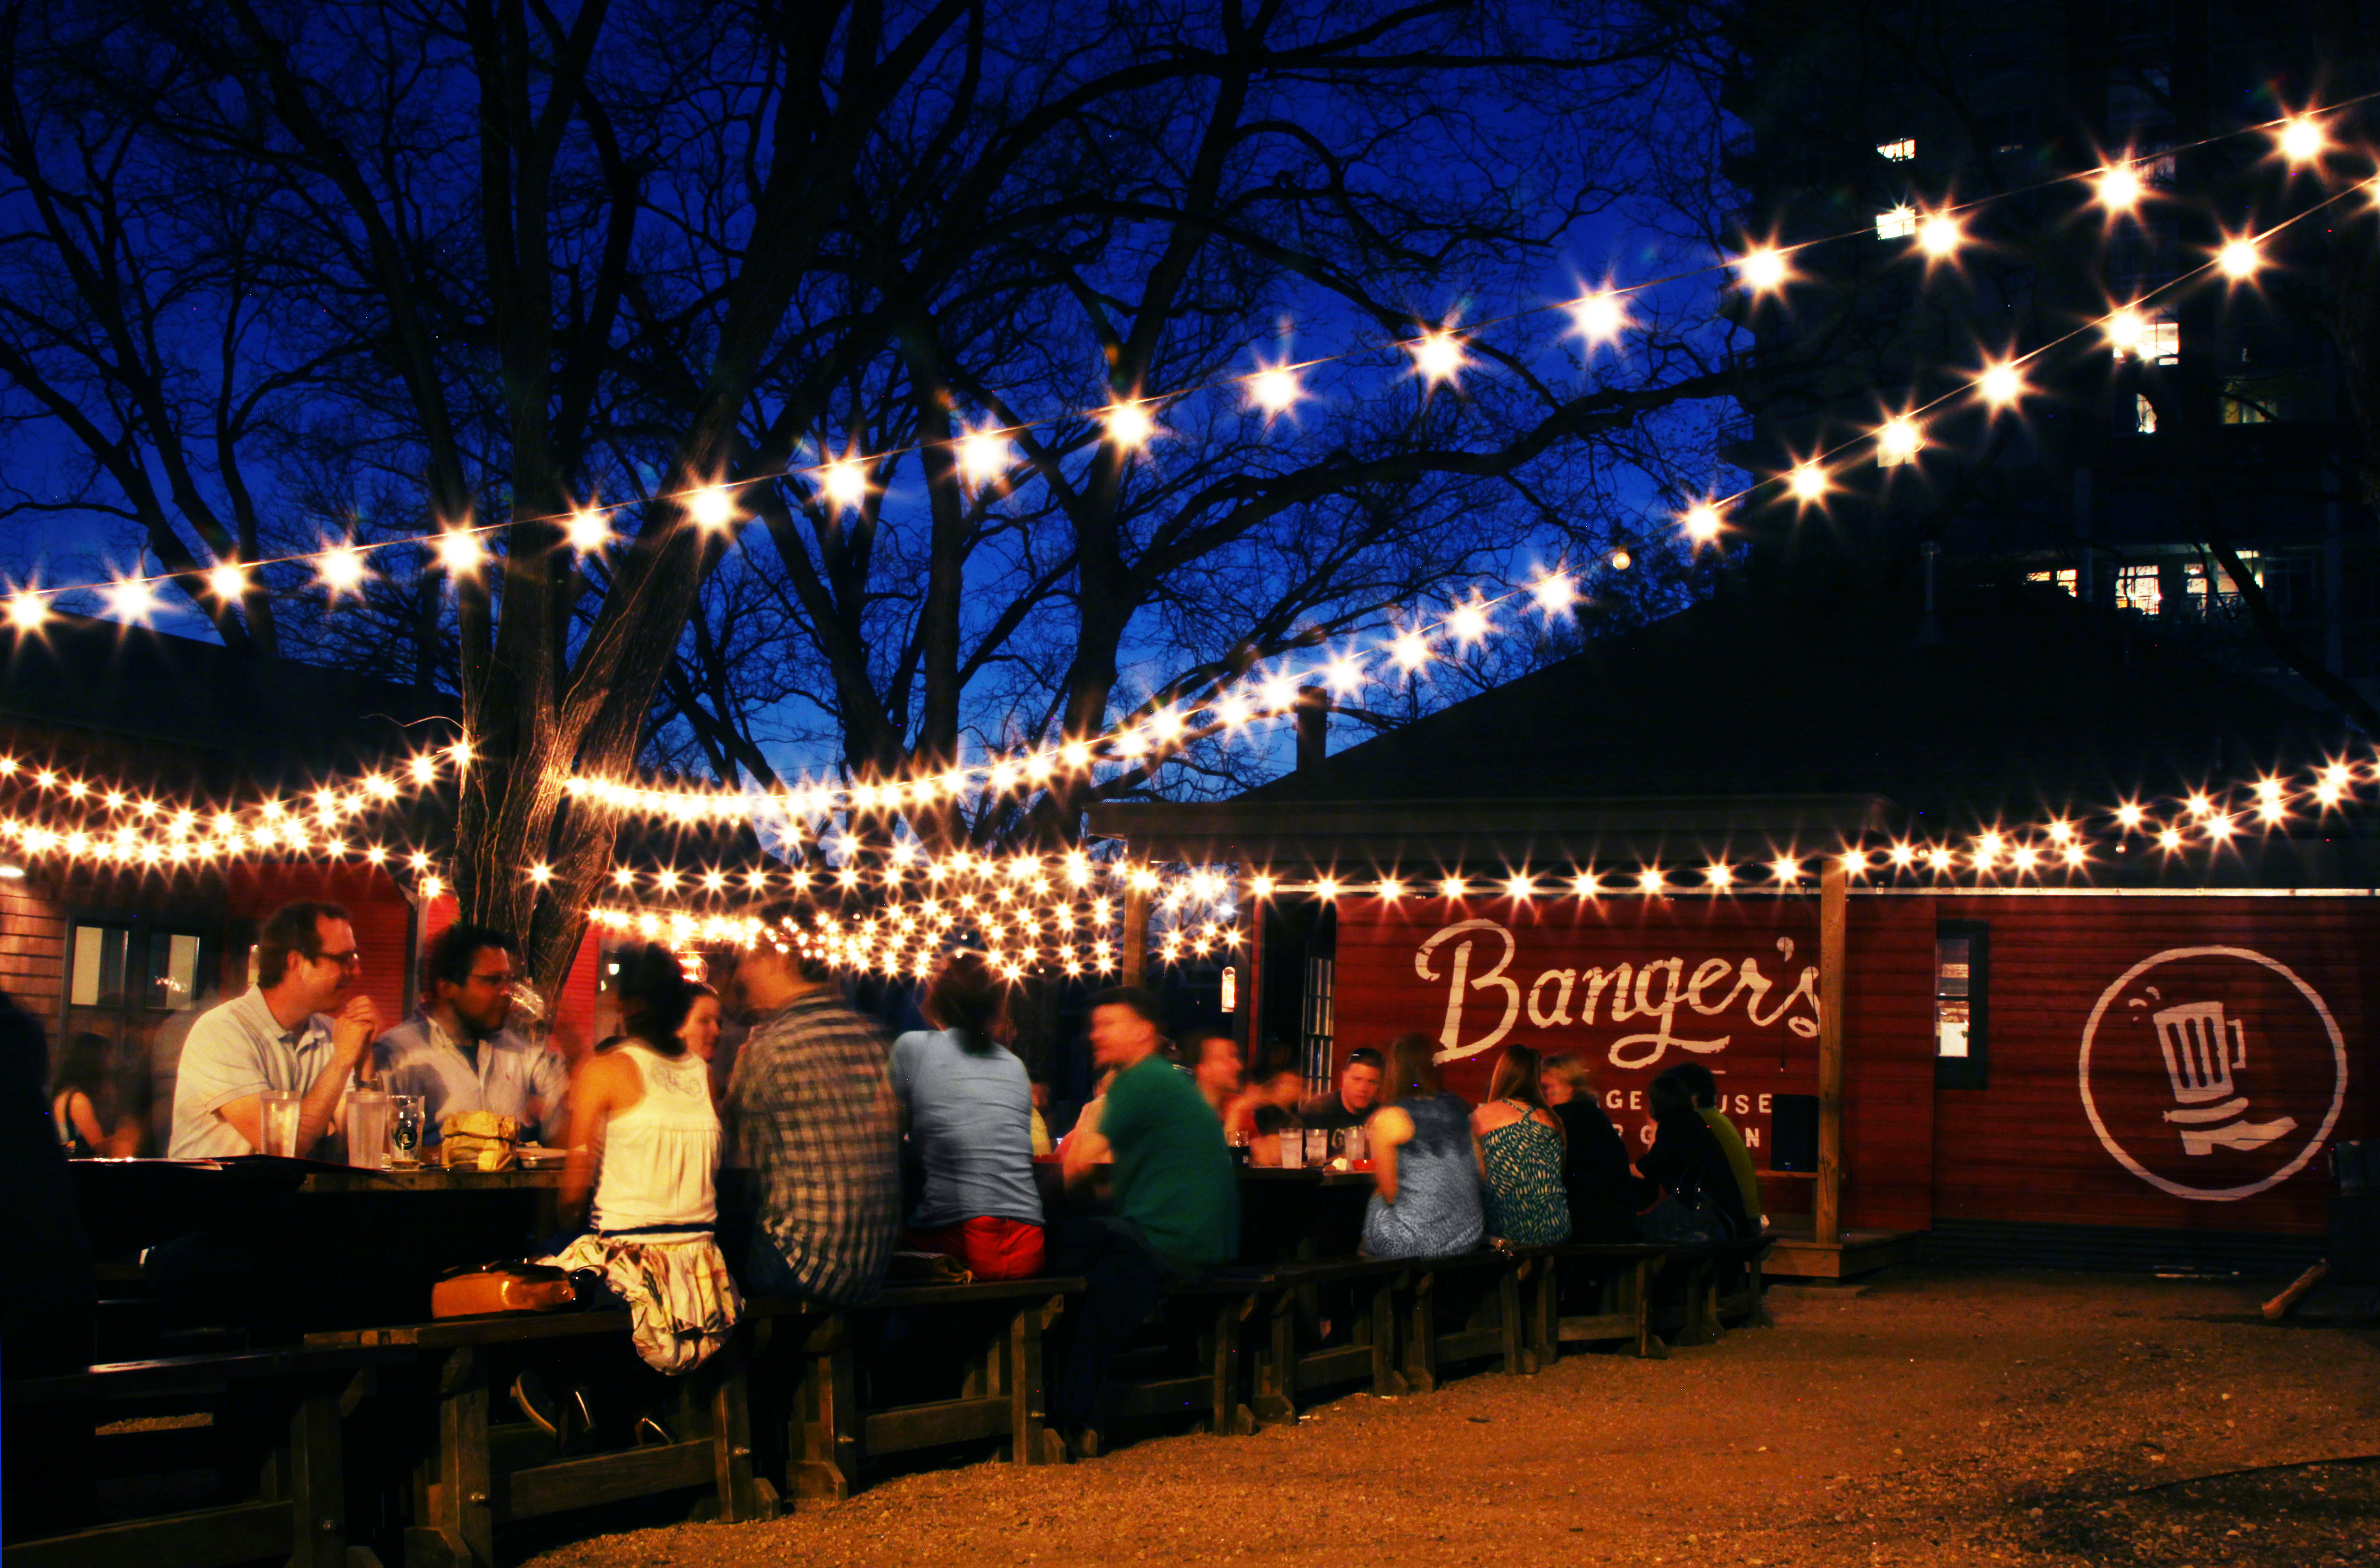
681 1300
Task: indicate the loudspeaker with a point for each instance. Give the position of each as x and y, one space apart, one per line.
1794 1132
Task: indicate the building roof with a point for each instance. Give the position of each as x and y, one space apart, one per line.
1756 720
236 715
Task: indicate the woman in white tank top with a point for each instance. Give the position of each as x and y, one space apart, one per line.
644 1147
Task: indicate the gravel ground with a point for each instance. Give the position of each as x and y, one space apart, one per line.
1936 1417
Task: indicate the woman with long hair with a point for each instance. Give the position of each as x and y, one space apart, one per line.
644 1158
1603 1192
85 1106
1425 1159
1699 1198
967 1103
1521 1150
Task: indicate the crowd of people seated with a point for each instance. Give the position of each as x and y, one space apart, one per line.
859 1148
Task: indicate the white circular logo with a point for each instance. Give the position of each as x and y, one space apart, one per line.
2212 1073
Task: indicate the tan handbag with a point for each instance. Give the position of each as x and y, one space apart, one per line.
502 1287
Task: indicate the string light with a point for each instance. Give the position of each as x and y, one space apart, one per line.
587 530
846 483
2241 258
1763 270
2001 385
1600 317
1940 234
2300 139
460 552
1702 522
2118 189
984 455
131 599
1275 390
341 568
1807 484
227 581
1897 440
1129 426
27 611
1438 356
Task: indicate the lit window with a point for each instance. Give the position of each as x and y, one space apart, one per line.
2067 578
2160 341
1899 224
2247 403
1961 986
2144 415
1900 152
2137 588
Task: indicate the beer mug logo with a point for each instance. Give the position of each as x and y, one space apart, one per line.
2212 1073
2199 1057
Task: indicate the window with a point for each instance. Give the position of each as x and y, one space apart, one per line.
1899 224
2137 588
2288 582
1961 994
1321 1007
2065 578
2144 415
2156 339
1901 152
116 968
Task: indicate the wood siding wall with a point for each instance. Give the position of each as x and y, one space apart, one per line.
2023 1148
1731 983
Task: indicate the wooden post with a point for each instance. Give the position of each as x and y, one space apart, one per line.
1834 890
1135 936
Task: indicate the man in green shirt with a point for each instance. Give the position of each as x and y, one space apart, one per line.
1703 1086
1176 1210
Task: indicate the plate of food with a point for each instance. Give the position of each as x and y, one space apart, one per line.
537 1154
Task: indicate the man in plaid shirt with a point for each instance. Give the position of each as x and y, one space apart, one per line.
812 1102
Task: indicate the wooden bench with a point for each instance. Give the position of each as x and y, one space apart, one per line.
273 1434
1151 1383
807 1357
1481 1291
1293 1357
1622 1273
471 1473
1707 1303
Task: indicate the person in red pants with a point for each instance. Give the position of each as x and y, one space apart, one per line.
967 1104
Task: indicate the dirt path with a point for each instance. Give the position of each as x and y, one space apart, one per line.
1936 1418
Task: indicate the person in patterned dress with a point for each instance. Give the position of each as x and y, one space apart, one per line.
1521 1147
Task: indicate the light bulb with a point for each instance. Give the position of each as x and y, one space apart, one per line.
460 552
1939 235
2001 384
1467 623
27 609
1130 426
130 599
2117 187
2300 138
1598 317
1275 390
710 508
341 567
1438 356
587 530
1762 270
983 456
1702 522
2240 259
227 580
1555 592
846 483
1898 439
1807 483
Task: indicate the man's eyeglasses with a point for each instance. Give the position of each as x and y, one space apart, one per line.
350 959
496 981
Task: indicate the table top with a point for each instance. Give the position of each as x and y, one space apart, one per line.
433 1178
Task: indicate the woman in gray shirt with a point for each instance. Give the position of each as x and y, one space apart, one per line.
967 1104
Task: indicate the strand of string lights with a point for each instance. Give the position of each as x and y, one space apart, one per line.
985 458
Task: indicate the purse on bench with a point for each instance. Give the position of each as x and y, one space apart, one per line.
502 1287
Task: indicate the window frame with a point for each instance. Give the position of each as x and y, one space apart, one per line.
1971 1071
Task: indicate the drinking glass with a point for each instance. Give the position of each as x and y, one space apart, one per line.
1293 1149
280 1109
1318 1146
1359 1145
368 1129
405 1129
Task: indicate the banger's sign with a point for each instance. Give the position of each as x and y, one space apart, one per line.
1632 988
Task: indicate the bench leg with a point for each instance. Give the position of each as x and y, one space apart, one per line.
1650 1347
825 1439
459 1523
1276 1395
318 1491
743 1496
1518 1360
1421 1335
1702 1306
1026 1428
1382 1329
1226 1415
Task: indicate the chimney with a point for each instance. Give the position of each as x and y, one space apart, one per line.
1313 725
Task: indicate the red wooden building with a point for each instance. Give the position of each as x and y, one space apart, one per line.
2138 1061
132 952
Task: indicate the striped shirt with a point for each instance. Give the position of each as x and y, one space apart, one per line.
816 1119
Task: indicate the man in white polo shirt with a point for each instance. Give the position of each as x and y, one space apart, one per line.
303 1026
458 1055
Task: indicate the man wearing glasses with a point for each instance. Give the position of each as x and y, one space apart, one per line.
457 1054
304 1025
